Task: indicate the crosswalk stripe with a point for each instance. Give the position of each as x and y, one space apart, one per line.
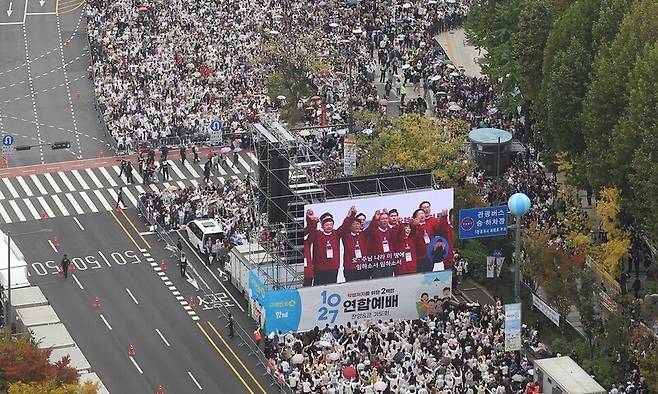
59 204
89 202
221 169
166 185
113 194
140 189
52 182
181 184
252 157
24 185
10 187
75 204
154 188
82 182
122 177
66 181
31 208
17 210
2 196
138 178
4 214
194 182
244 164
103 201
46 207
130 196
190 168
37 182
177 170
108 176
93 177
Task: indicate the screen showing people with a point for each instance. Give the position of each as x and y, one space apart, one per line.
378 237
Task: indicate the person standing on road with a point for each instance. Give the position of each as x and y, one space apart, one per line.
230 325
65 266
182 154
129 172
183 264
179 246
195 150
164 167
120 199
122 168
206 172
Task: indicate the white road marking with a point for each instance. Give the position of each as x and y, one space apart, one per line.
102 199
163 338
52 182
79 224
130 196
190 168
81 181
154 188
2 196
59 204
252 157
30 207
221 169
4 214
77 281
52 245
140 189
176 169
10 187
23 184
195 382
123 176
17 210
66 181
138 178
93 177
181 184
132 296
136 366
244 164
109 327
37 182
108 176
89 202
75 204
46 207
195 183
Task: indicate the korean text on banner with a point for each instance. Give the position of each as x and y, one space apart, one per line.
406 297
549 312
512 327
349 155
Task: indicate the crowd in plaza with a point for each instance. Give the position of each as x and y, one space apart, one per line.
458 350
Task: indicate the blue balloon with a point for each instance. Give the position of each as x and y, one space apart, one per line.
519 204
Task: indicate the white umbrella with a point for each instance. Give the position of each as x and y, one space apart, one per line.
342 131
367 131
435 78
333 25
450 66
297 359
357 31
380 385
451 1
454 107
454 74
406 66
333 356
304 133
274 32
322 344
442 93
281 97
406 5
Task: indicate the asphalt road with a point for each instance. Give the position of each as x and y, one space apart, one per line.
178 346
45 93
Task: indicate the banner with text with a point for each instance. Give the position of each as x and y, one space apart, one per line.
549 312
407 297
349 154
512 327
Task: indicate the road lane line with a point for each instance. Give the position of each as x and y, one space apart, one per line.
230 365
77 281
52 182
252 157
10 187
137 177
135 228
4 214
237 358
37 182
176 169
244 164
79 224
163 338
197 383
139 189
132 296
31 208
46 207
123 176
130 196
191 169
124 229
17 210
24 185
109 327
136 365
52 245
66 181
88 201
181 184
108 176
59 204
94 178
102 199
81 181
75 204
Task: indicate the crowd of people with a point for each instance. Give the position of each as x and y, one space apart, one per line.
458 350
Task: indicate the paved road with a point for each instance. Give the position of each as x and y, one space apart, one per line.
45 93
141 305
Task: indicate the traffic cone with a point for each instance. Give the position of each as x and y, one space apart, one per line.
56 243
191 302
101 154
160 390
43 215
60 272
77 95
67 43
131 351
163 265
97 302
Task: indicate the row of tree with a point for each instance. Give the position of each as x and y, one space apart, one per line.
587 71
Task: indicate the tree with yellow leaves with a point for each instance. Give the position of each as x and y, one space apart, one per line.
610 254
52 387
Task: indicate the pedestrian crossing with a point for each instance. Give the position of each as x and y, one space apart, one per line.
90 190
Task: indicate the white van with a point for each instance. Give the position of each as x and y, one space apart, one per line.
198 232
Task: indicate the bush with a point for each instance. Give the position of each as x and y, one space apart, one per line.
476 254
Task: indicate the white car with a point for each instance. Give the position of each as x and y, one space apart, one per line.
198 232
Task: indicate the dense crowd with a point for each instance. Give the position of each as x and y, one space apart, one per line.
458 350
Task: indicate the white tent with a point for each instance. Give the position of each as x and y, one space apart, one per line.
18 264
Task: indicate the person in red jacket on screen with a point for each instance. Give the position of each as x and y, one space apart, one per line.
354 248
407 246
325 245
381 240
439 226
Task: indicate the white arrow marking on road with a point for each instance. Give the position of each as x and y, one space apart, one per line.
163 338
109 327
197 383
42 2
193 282
9 11
132 296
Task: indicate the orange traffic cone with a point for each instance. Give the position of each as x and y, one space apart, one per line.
160 390
131 351
163 265
97 302
56 243
191 302
43 215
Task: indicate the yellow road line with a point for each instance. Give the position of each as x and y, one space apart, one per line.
449 48
124 230
225 358
236 357
63 3
148 246
56 7
75 8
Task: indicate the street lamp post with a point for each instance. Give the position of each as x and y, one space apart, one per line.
518 204
8 312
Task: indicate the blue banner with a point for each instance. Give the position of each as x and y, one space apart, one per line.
483 222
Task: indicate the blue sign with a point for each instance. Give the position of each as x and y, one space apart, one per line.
215 125
497 253
8 140
483 222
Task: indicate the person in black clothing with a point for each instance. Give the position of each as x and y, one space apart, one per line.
122 168
195 150
129 172
65 266
140 161
206 172
637 285
120 199
164 167
151 156
182 153
164 151
230 325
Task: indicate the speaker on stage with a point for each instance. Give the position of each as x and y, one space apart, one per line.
262 151
279 191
